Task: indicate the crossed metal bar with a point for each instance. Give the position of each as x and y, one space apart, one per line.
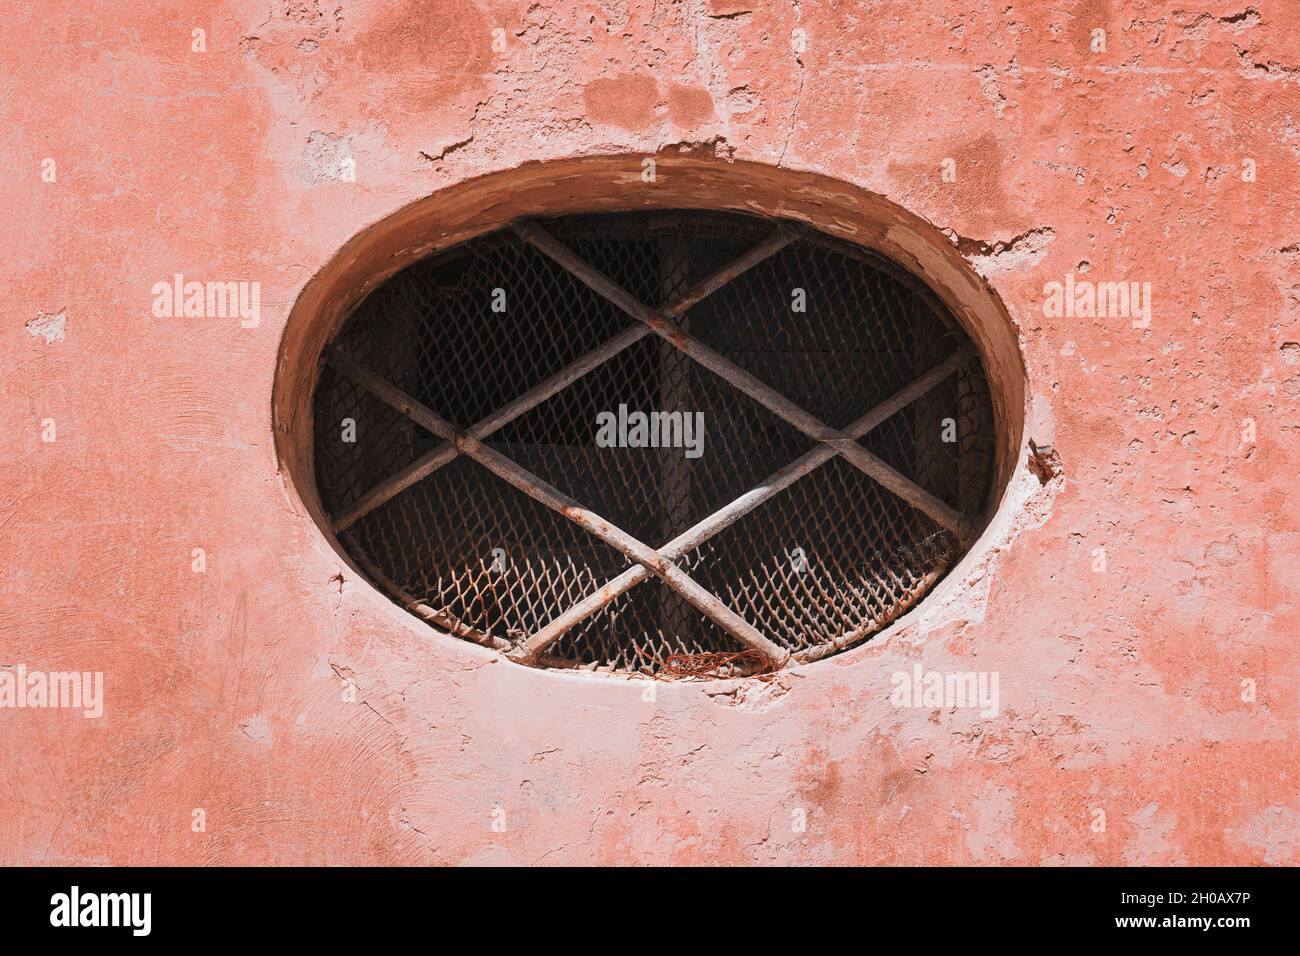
650 561
662 325
429 463
693 537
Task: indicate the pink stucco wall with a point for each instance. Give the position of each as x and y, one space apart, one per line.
1124 691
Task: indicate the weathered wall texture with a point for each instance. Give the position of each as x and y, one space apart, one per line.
1162 691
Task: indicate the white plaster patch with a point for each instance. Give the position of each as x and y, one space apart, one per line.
1010 255
1274 832
1150 844
963 595
989 840
329 158
50 326
257 728
751 696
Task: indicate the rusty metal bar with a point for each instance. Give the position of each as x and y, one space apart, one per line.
675 615
774 401
392 486
706 528
780 238
430 462
550 496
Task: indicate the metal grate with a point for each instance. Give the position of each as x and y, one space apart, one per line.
847 442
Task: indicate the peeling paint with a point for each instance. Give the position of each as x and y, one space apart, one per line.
50 326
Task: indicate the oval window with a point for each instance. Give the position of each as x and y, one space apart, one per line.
669 443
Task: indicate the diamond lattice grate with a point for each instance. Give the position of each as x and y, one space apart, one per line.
846 444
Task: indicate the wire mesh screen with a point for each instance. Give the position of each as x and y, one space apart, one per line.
510 432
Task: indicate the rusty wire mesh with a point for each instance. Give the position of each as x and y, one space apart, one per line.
820 566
